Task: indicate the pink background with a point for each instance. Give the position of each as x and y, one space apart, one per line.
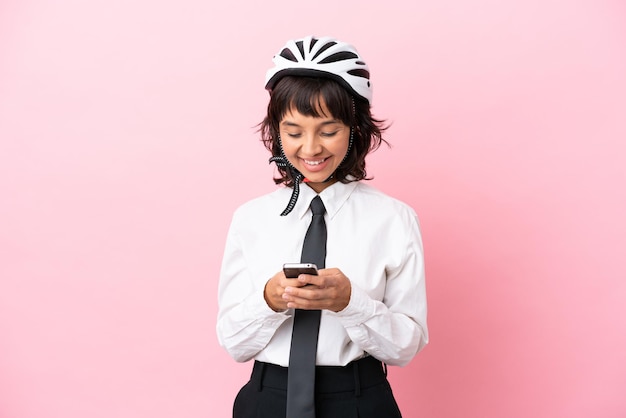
127 139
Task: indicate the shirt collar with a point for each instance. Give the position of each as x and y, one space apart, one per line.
333 197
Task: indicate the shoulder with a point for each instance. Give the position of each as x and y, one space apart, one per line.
265 204
381 203
261 210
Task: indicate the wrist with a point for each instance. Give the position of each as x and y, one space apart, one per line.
268 299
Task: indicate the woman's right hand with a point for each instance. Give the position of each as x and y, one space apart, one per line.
274 289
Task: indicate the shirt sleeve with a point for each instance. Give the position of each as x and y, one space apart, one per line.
394 329
245 323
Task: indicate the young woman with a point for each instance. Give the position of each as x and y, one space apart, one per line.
372 297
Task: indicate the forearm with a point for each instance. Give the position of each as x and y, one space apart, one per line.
391 336
245 328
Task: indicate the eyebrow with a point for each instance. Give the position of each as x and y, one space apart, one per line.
295 125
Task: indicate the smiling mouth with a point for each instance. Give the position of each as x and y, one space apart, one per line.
314 162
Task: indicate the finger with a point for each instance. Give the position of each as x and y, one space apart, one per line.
328 277
290 283
306 279
301 303
306 293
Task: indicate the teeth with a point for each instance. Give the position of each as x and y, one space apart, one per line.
317 162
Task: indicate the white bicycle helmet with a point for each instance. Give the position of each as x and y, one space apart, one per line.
322 57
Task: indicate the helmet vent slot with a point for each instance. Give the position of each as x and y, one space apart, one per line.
300 46
324 48
360 73
339 56
287 54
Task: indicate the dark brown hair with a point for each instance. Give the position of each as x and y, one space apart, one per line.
305 94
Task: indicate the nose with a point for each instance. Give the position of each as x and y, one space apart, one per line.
311 145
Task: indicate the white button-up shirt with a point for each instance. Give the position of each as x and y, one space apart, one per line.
372 238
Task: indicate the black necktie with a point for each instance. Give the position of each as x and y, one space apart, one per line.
306 325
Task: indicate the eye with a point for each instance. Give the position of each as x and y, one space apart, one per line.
328 134
294 135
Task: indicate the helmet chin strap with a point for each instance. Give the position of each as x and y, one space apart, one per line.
282 162
297 176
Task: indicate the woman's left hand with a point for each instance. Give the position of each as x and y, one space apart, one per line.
330 290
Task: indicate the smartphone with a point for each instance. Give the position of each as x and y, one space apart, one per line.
293 270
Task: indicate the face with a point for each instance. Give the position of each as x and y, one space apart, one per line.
315 146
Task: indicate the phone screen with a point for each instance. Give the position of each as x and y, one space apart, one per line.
293 270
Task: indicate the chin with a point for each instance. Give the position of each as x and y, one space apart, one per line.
317 178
